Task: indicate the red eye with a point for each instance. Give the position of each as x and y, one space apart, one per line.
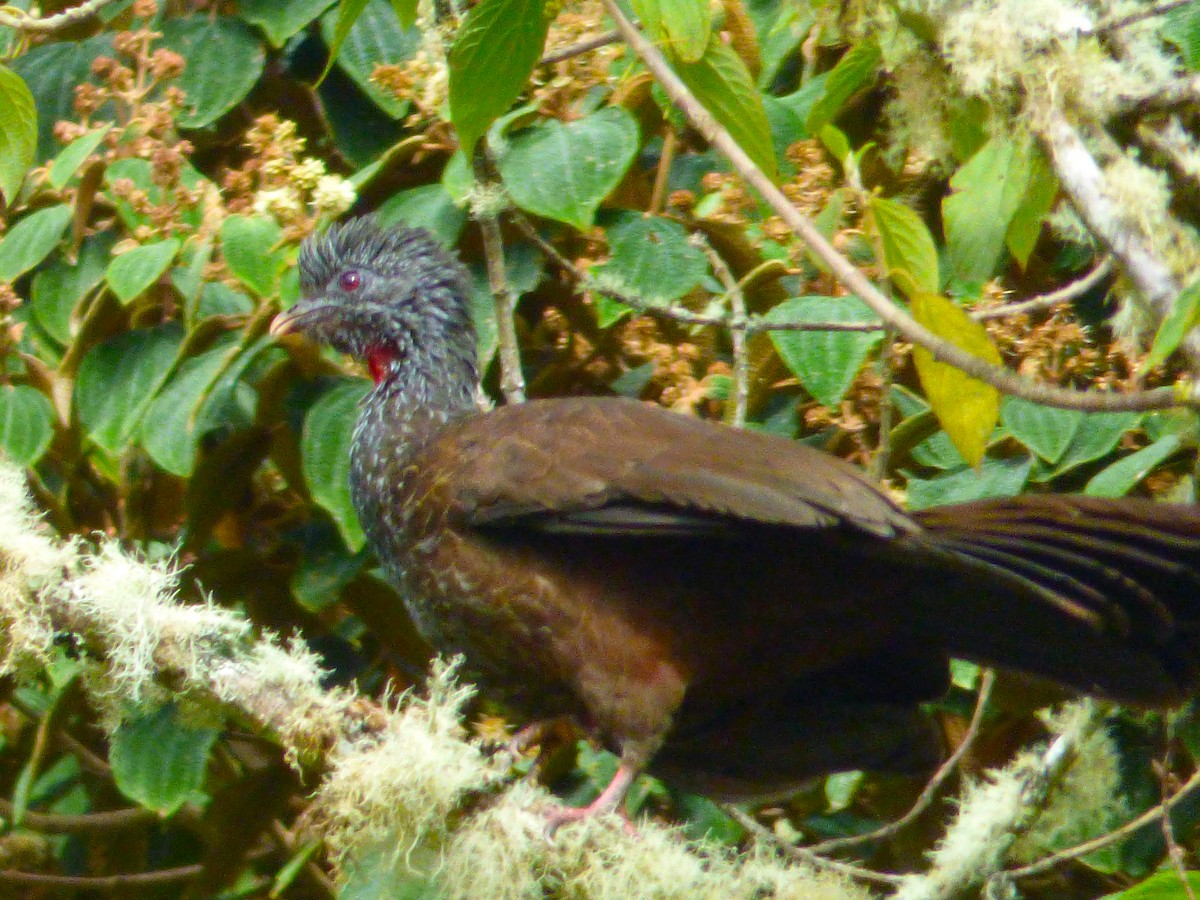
349 281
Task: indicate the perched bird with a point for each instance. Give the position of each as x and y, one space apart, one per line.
734 611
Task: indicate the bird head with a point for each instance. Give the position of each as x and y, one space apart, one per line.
387 295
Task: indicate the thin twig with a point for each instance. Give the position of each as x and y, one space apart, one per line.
856 282
986 681
804 854
585 46
55 823
1158 9
737 330
512 380
23 21
1064 294
662 174
1042 866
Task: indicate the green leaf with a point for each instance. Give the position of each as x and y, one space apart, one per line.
18 132
991 478
406 12
183 411
1182 28
563 172
1026 224
826 362
681 27
52 72
1123 476
721 81
67 163
59 287
348 12
1183 317
1045 430
325 452
967 408
651 258
376 38
31 240
493 54
118 380
854 70
429 206
1096 437
988 190
1165 885
224 61
133 272
253 250
26 423
279 21
158 760
907 246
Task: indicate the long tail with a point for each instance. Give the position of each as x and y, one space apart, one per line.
1102 595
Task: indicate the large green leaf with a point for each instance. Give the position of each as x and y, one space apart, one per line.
991 478
253 250
119 379
26 423
1167 884
491 59
721 81
52 72
1045 430
908 247
1124 475
1096 437
1026 224
987 191
429 206
187 408
134 271
325 451
651 258
158 760
826 362
1184 316
60 285
563 172
30 240
682 27
853 71
967 408
279 21
67 163
18 132
224 60
376 38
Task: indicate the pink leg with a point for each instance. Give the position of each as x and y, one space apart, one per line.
608 801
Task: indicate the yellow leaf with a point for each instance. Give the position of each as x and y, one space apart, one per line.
967 408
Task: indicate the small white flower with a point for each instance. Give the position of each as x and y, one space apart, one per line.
333 194
281 203
307 174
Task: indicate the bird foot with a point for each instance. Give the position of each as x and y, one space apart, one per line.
608 801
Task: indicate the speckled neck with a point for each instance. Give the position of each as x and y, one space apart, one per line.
423 391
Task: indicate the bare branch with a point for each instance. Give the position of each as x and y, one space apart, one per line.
31 24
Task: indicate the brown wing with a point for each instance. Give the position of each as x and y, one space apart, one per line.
618 466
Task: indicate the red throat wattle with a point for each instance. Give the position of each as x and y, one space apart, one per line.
379 360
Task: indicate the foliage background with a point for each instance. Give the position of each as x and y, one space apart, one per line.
160 165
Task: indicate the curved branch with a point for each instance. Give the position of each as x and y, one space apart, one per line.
855 281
